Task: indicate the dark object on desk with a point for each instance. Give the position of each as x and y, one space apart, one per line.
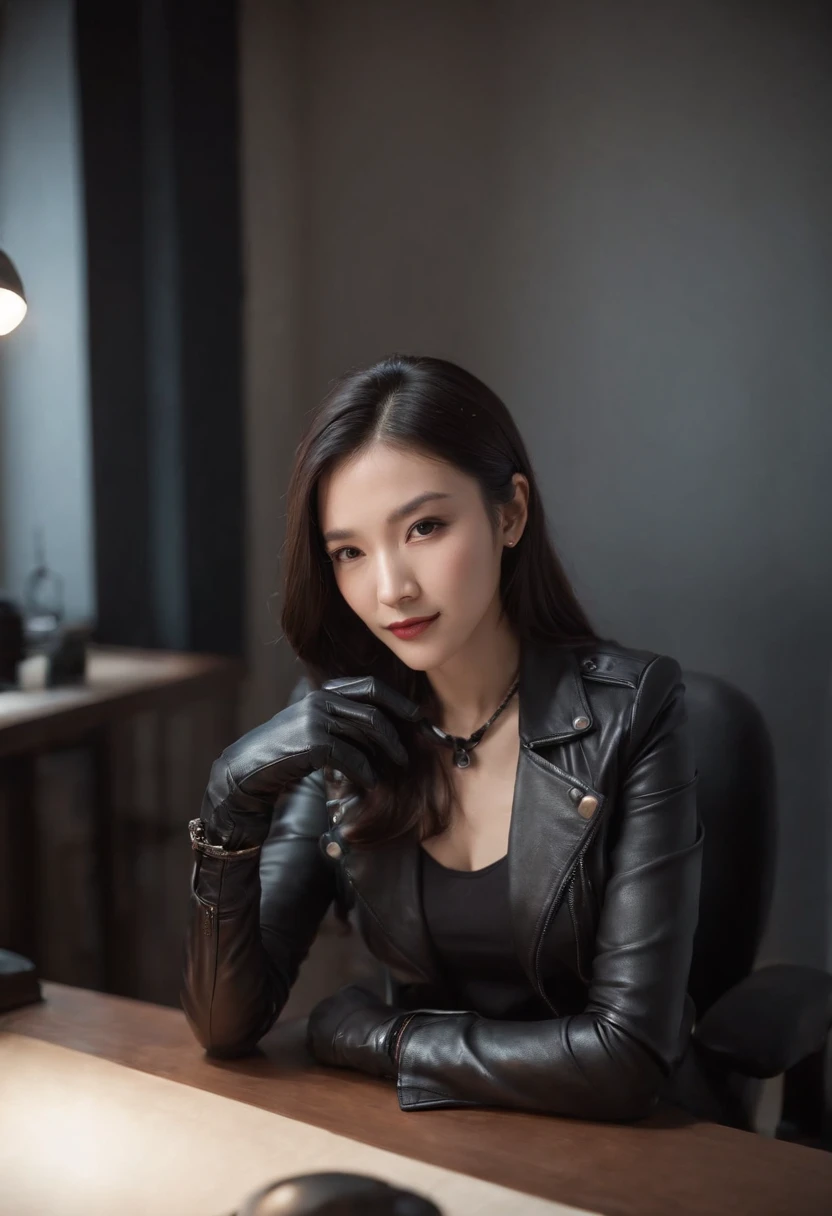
62 648
66 653
12 648
335 1194
19 984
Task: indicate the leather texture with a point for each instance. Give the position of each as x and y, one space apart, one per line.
309 734
605 857
354 1029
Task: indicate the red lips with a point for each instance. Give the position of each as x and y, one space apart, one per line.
412 628
411 620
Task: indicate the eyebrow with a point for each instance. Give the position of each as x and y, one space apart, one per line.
400 513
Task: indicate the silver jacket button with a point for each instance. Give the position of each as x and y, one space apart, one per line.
334 850
580 723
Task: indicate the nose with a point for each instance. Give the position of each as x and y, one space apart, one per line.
395 580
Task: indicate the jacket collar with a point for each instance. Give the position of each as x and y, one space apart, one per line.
551 694
546 831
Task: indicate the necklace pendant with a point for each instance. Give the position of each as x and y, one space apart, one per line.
461 758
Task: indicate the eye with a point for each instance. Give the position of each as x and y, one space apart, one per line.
430 523
333 557
438 524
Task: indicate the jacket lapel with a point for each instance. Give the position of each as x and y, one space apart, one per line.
553 810
387 881
546 834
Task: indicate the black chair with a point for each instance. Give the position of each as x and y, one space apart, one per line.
750 1024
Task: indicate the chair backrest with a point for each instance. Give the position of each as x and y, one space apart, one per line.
737 802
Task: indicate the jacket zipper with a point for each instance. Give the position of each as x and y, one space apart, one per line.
402 1028
206 911
570 895
556 903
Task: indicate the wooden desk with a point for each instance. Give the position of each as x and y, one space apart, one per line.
666 1164
120 683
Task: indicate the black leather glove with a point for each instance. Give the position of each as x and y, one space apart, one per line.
355 1029
319 730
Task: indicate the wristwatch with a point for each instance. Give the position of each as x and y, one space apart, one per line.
199 844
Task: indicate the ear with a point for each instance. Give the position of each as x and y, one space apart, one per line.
516 513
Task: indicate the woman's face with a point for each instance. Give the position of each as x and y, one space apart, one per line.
395 558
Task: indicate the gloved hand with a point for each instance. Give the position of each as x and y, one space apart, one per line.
355 1029
317 731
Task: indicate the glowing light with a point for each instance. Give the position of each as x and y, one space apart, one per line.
12 296
12 310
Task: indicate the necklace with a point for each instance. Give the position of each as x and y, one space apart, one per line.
463 746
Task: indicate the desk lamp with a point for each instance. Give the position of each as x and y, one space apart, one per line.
12 296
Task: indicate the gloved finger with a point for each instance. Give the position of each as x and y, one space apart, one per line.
352 762
376 726
377 692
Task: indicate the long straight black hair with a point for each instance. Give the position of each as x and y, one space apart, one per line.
434 407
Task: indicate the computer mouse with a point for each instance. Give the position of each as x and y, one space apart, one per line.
336 1194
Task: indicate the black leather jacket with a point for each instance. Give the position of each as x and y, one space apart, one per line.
605 853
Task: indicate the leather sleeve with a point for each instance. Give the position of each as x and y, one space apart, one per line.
251 923
610 1060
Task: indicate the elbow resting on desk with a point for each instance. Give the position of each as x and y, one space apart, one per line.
227 1031
231 993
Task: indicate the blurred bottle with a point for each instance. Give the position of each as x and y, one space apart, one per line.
43 601
56 650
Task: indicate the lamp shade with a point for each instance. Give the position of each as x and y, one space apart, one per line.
12 297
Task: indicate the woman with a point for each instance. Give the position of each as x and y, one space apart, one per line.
506 800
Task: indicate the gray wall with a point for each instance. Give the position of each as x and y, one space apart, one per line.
617 215
44 439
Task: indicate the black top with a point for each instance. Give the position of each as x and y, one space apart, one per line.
467 914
